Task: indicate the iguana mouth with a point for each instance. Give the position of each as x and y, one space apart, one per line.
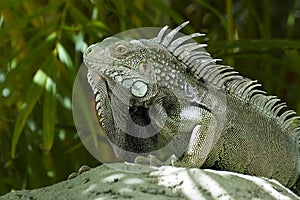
96 62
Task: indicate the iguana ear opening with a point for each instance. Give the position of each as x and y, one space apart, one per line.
139 89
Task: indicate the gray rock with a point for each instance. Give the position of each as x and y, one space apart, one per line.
163 183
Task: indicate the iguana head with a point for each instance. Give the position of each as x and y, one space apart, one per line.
140 67
126 64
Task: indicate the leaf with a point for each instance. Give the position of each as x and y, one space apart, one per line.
214 10
66 60
49 109
294 58
256 44
135 7
160 5
32 94
21 21
30 62
98 25
78 16
64 56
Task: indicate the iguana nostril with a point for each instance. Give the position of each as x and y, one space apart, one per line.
89 50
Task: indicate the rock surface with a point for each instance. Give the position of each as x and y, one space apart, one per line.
163 183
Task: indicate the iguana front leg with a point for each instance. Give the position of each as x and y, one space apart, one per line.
203 135
195 127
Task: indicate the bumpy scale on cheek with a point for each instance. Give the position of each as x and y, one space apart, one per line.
170 78
146 70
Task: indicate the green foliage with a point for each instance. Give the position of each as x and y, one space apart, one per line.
41 51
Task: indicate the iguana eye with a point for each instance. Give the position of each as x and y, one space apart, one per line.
121 49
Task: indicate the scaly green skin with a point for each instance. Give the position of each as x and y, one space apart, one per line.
204 113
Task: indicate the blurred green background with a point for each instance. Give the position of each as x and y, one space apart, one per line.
41 45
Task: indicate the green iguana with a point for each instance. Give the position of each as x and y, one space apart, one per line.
166 95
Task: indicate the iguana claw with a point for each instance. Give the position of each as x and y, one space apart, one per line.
81 170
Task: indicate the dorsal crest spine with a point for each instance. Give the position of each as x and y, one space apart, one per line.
204 67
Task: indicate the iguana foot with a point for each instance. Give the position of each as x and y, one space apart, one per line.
148 160
153 161
81 170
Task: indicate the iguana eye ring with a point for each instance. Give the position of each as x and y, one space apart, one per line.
121 49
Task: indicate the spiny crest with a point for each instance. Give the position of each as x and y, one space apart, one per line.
204 67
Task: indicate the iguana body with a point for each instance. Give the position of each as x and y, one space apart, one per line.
167 95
